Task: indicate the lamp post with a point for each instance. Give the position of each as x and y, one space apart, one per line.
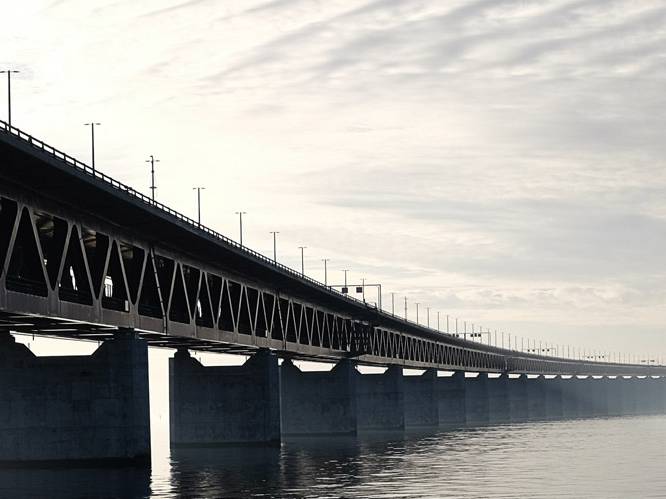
9 73
302 259
92 126
152 162
405 308
240 218
392 303
428 316
417 313
325 260
198 189
275 233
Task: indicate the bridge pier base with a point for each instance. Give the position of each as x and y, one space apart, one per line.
553 400
476 400
421 406
75 408
569 390
614 401
380 401
499 408
517 394
451 399
536 398
224 405
318 403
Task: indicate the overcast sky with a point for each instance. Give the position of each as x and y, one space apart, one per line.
498 161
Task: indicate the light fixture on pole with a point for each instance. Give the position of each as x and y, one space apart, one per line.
9 73
198 189
275 233
417 313
240 219
152 162
92 126
325 260
302 259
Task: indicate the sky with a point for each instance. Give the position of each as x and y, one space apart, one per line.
497 161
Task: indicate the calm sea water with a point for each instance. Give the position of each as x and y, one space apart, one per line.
595 458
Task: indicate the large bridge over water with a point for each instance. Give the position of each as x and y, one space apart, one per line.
84 256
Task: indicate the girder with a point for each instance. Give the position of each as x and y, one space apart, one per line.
82 255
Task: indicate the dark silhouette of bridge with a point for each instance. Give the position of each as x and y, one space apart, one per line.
85 256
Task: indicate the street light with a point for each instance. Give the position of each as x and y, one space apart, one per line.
152 162
92 126
417 313
240 217
198 189
345 289
302 259
9 73
275 233
325 260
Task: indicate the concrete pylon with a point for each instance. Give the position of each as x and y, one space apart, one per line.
614 399
223 405
536 398
451 399
421 406
91 408
380 403
569 390
553 401
517 393
476 400
318 403
499 405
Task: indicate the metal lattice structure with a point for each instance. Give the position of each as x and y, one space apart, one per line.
83 255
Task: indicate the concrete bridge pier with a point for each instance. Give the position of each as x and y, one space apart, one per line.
615 402
569 389
421 405
598 394
318 403
380 402
518 398
476 400
499 408
224 405
451 399
75 408
629 395
553 399
536 398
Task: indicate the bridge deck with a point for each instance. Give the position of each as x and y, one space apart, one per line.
67 231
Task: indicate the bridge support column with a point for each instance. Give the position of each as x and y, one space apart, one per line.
615 402
569 390
629 396
318 403
476 400
421 406
499 408
380 400
584 397
536 398
451 399
518 398
599 396
224 404
75 408
553 401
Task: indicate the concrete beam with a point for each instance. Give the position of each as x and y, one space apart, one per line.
75 408
318 403
224 404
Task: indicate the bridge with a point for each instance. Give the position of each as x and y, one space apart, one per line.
85 256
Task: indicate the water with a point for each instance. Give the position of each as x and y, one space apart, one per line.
594 458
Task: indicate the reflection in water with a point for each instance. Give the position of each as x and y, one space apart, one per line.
595 458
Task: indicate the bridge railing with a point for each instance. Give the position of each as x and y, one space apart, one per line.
137 195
